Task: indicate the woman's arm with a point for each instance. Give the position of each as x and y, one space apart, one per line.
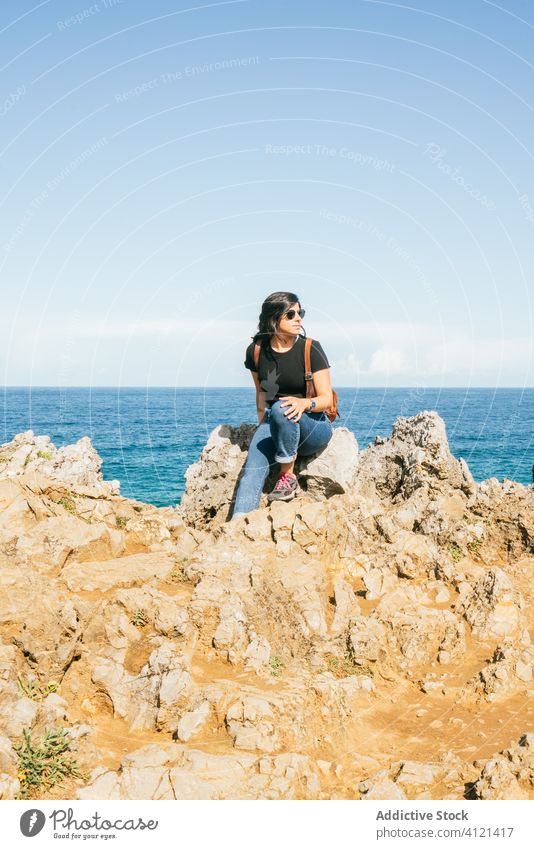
323 397
323 389
260 397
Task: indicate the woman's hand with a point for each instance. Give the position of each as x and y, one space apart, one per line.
295 406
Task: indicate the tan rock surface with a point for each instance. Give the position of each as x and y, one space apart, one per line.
370 639
133 570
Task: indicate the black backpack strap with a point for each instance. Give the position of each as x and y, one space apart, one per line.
308 377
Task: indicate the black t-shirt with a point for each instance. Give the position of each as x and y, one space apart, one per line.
283 373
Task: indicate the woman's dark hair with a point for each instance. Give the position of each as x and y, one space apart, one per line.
272 310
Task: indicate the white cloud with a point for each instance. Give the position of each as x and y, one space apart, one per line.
418 354
387 361
157 327
210 352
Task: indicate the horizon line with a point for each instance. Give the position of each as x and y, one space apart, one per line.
247 388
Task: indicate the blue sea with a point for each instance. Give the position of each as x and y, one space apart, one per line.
148 437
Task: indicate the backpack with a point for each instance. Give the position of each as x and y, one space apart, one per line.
332 412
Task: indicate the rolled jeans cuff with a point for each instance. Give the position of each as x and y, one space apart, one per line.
285 459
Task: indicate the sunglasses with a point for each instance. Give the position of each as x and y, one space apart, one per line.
290 314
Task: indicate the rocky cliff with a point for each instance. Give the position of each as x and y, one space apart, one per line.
370 639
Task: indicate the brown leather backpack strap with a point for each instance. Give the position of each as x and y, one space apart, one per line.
310 389
257 347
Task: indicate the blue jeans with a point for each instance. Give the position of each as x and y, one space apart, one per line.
278 440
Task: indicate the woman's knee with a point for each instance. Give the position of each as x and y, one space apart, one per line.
315 441
278 413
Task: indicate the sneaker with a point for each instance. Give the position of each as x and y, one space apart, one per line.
287 487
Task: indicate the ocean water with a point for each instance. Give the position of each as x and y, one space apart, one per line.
148 437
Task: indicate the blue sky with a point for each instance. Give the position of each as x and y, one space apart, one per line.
167 166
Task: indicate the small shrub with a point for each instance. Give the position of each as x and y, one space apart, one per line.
473 546
35 691
68 503
45 455
276 665
140 618
46 763
455 552
178 573
121 521
179 576
345 665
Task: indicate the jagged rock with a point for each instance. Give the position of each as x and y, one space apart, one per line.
17 509
377 582
380 786
50 638
258 653
230 633
418 631
152 698
497 781
18 713
416 455
305 584
510 671
508 774
150 531
246 635
367 639
492 606
251 723
341 694
414 775
333 470
182 773
77 464
167 616
347 606
211 483
192 721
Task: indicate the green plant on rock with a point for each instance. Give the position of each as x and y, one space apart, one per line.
140 618
455 552
44 764
34 690
179 576
45 455
68 503
276 665
470 521
342 666
121 521
473 546
178 573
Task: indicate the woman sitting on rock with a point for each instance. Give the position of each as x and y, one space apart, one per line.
289 422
